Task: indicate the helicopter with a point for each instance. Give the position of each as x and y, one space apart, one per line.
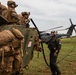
45 35
28 33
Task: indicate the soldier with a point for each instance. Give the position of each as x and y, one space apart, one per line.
2 8
11 43
10 14
54 46
17 44
25 18
37 44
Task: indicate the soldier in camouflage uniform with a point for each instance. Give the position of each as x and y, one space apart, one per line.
2 8
10 14
25 19
11 43
37 44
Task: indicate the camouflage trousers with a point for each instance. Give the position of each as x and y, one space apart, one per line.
7 67
11 65
17 64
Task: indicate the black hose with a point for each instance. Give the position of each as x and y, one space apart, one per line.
41 43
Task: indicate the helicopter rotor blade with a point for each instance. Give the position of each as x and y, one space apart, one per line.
75 30
50 29
62 29
71 21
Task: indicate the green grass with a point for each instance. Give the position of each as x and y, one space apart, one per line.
67 66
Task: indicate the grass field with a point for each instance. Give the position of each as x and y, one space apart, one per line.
67 66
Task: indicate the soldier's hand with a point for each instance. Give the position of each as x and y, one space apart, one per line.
55 53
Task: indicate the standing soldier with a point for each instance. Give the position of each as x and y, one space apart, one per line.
25 19
54 46
2 8
10 14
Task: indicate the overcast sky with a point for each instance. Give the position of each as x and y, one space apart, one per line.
48 13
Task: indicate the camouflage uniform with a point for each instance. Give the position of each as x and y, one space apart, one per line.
17 44
2 8
25 19
10 14
10 52
17 64
21 19
37 44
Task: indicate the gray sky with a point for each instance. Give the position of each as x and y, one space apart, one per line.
48 13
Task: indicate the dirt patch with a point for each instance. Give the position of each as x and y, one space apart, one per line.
73 64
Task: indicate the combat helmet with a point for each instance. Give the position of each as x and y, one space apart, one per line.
25 13
12 4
